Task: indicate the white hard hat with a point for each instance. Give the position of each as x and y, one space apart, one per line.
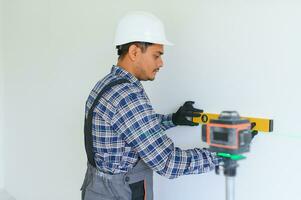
140 26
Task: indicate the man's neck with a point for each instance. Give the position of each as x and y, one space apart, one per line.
127 66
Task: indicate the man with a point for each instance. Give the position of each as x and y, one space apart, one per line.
124 136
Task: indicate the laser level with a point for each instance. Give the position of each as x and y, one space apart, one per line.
230 135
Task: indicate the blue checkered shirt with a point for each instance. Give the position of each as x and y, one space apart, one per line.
125 128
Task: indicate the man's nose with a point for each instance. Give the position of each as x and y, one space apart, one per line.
160 63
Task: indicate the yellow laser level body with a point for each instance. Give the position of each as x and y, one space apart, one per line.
261 124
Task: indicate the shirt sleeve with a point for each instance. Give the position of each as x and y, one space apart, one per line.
165 121
139 126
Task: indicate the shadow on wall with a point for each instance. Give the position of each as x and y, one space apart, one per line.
5 196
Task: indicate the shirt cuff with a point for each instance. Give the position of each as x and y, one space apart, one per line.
167 121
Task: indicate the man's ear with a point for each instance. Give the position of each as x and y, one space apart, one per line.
134 52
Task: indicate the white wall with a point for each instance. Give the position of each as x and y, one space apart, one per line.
1 104
1 133
237 55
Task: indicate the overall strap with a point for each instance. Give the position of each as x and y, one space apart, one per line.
88 121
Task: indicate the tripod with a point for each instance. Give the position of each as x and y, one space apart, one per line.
230 165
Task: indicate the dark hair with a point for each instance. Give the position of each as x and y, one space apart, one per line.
123 49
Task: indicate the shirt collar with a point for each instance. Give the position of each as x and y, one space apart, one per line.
119 71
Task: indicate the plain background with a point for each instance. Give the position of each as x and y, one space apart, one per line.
228 55
1 103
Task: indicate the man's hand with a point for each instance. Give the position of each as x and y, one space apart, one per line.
186 112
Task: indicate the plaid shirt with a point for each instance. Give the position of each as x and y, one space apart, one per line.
126 128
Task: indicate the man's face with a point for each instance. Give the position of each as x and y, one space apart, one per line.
149 62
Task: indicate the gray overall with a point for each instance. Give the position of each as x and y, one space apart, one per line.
136 184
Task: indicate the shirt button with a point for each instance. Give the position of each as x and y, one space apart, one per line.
127 179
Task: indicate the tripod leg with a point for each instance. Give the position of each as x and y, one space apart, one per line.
230 186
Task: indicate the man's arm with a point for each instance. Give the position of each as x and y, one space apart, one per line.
137 123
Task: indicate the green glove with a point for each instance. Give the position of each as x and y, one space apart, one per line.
186 112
